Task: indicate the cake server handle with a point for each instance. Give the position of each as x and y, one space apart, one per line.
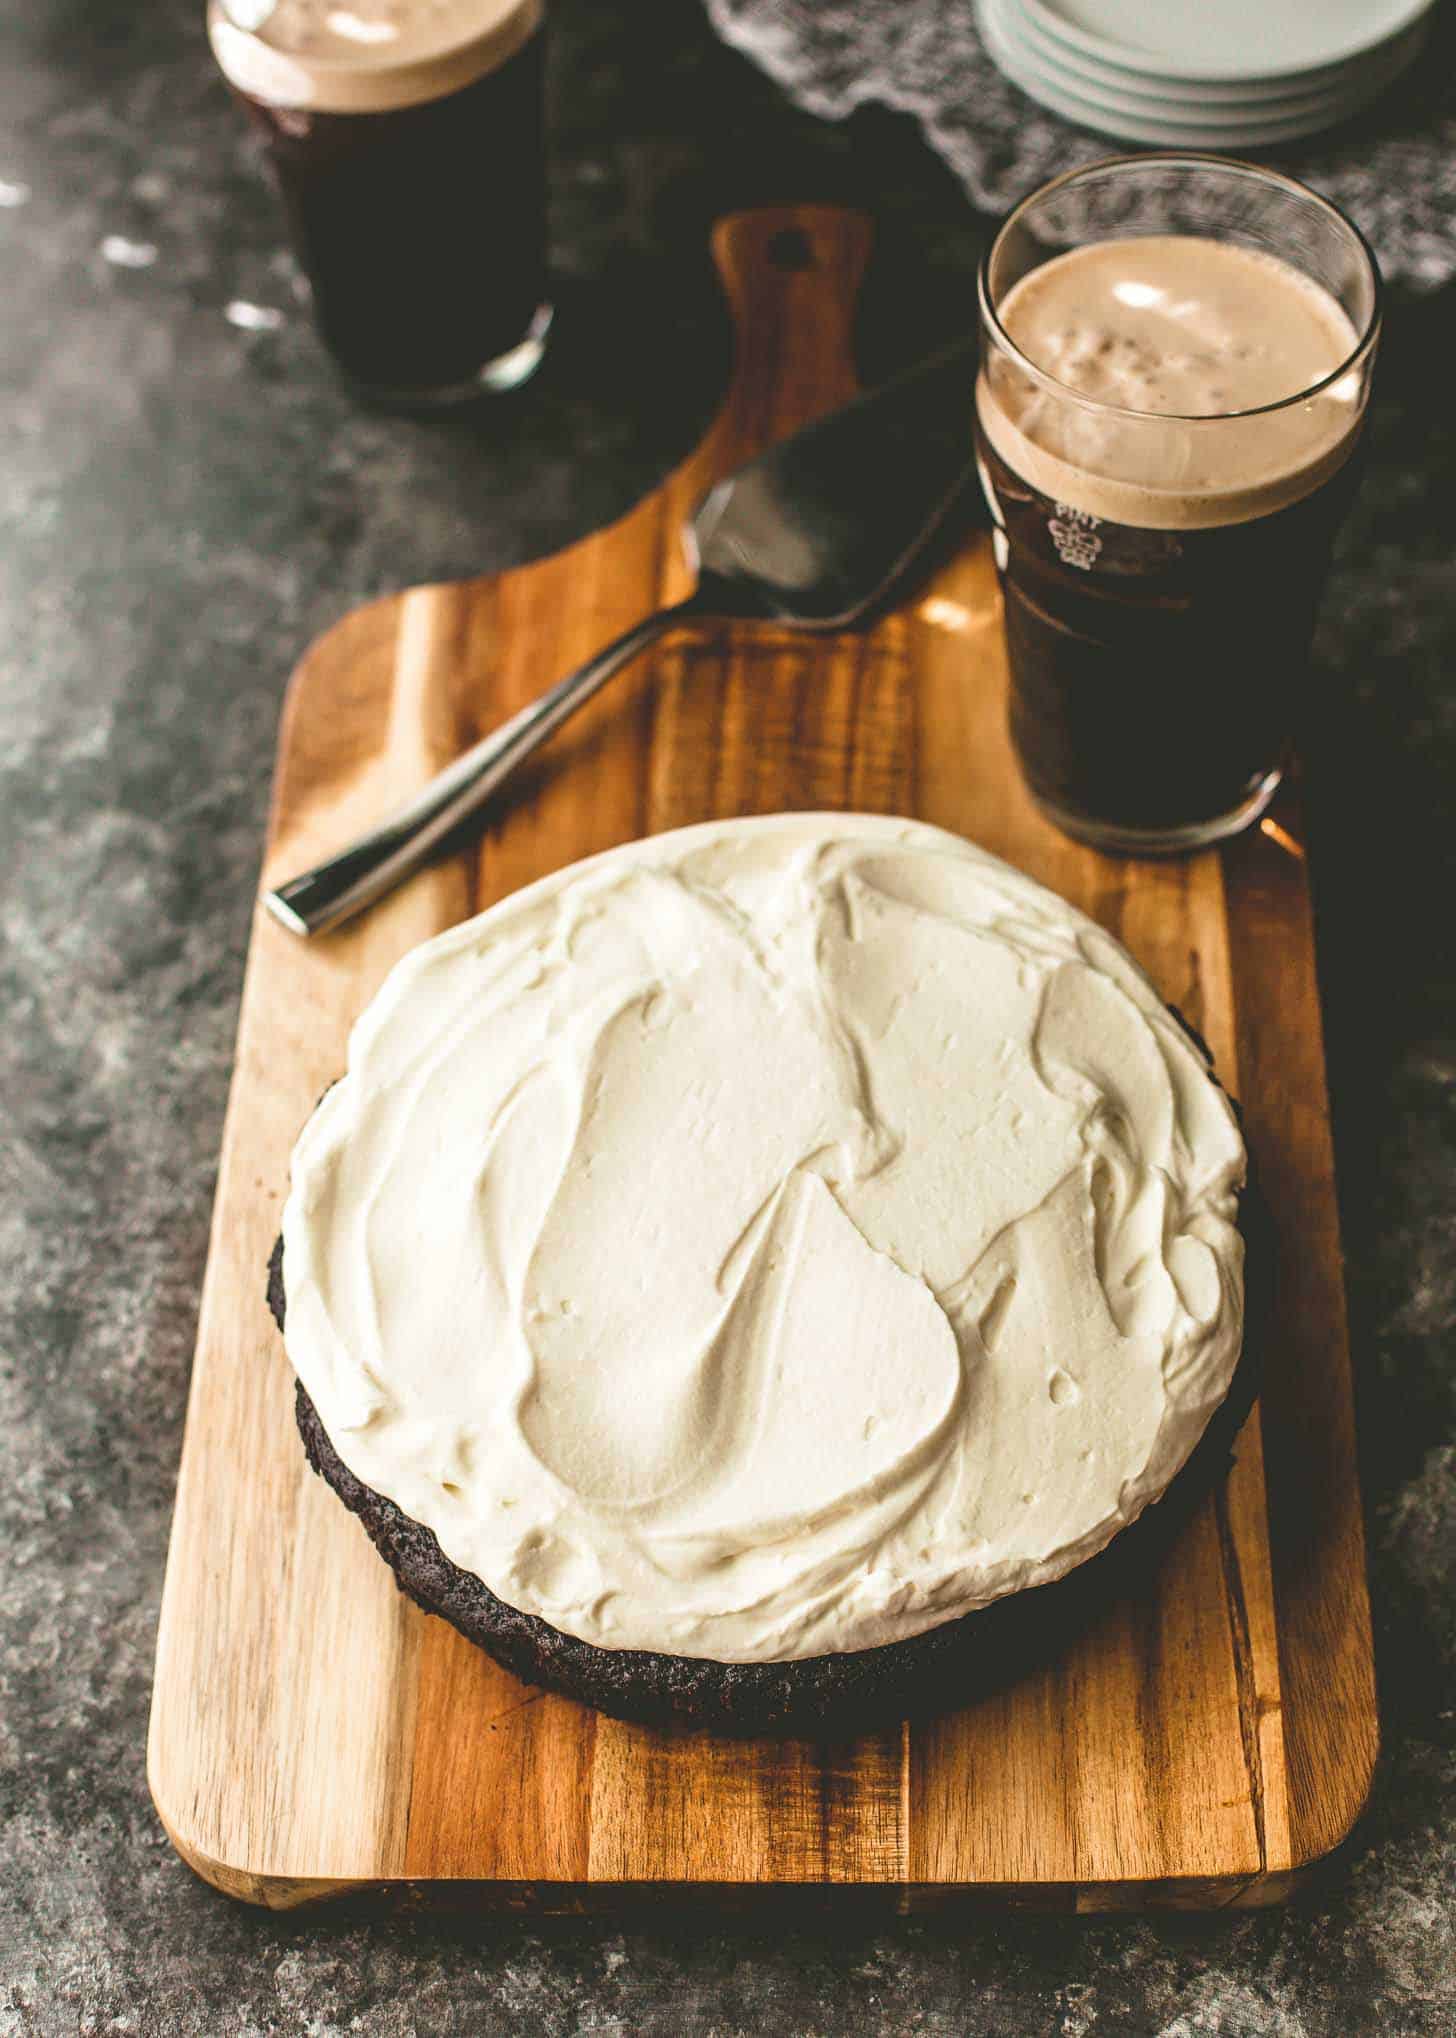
345 884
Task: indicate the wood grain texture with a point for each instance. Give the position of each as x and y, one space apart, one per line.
311 1731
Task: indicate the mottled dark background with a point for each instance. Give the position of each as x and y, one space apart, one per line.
183 503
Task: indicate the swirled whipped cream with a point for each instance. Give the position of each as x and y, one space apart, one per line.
772 1238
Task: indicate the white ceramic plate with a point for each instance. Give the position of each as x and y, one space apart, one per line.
1134 120
1165 98
1227 41
1190 116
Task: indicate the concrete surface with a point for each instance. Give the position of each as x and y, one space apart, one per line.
185 498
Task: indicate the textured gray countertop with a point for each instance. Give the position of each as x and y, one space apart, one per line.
185 499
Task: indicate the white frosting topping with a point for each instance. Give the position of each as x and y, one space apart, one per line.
766 1239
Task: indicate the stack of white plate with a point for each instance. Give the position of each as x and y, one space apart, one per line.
1204 74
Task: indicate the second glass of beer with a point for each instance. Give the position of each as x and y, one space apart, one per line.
1176 359
405 137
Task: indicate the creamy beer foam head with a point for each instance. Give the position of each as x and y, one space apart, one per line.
364 56
1186 333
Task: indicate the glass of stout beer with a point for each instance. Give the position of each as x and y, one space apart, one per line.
406 139
1176 358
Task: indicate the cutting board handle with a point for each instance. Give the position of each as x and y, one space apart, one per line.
792 275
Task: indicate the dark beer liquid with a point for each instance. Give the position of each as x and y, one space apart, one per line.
1155 675
421 228
1192 386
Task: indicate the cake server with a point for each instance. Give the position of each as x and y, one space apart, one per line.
813 534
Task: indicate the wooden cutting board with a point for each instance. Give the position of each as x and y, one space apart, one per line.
312 1731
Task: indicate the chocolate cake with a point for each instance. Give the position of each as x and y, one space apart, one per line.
749 1278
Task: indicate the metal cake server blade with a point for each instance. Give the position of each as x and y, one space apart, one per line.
813 534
